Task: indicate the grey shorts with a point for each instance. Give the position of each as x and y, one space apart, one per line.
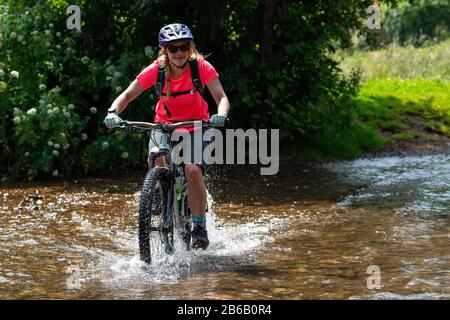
194 152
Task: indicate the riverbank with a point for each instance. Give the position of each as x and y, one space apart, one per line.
404 96
411 116
425 144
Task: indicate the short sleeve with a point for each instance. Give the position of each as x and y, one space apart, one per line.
207 71
147 77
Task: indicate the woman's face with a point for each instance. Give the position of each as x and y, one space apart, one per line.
178 52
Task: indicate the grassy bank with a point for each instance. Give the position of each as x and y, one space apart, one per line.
404 97
431 62
405 109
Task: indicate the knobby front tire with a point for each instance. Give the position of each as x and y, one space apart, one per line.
153 238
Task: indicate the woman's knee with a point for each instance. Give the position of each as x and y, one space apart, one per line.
193 172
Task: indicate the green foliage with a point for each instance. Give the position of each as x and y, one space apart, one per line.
52 96
418 22
281 79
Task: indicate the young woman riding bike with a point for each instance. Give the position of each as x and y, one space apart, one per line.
175 74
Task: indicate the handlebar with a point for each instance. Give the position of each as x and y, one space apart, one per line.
146 126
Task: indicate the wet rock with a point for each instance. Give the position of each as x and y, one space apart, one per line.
31 202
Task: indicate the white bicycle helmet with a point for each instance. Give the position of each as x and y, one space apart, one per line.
174 31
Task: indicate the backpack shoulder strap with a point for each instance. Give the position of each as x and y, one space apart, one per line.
159 88
195 75
160 80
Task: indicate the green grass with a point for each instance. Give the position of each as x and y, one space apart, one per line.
405 94
395 105
432 62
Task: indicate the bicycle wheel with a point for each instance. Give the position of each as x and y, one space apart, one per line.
155 234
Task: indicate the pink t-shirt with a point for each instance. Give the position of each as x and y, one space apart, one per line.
185 106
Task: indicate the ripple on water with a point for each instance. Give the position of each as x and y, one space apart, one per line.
412 185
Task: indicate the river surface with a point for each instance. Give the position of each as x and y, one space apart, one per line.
313 231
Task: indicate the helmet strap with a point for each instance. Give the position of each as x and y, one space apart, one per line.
184 65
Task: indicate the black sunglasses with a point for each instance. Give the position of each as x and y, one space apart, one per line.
174 49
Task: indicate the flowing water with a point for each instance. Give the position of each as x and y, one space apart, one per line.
314 231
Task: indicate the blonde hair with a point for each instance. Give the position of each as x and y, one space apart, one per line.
163 60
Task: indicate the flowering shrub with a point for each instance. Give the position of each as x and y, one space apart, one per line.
54 96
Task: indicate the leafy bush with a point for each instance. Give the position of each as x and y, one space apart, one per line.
419 22
53 96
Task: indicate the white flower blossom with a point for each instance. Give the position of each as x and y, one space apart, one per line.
27 154
31 112
84 136
13 35
57 146
85 60
149 51
51 25
118 89
50 143
16 119
50 112
66 114
20 38
15 74
2 73
117 74
42 87
105 145
55 173
56 110
124 155
58 34
55 153
93 110
71 107
108 78
47 32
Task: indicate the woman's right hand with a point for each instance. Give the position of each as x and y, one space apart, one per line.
112 120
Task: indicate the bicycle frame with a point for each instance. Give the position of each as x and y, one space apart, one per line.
176 216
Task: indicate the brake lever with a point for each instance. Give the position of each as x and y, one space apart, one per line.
127 127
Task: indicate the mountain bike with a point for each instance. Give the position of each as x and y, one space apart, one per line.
163 206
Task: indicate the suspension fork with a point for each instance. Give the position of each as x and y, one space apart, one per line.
168 216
